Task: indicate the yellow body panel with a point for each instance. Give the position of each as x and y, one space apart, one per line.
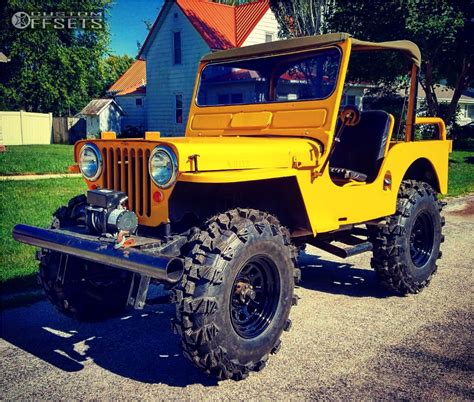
329 206
248 143
236 176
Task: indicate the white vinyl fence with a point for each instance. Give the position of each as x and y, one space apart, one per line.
22 128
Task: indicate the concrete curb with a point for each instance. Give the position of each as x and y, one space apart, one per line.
39 176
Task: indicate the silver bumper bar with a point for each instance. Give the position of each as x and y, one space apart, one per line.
164 268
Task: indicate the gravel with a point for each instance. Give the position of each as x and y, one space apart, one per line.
350 340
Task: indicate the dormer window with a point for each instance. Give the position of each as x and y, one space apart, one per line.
177 47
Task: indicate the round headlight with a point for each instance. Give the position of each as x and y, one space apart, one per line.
90 162
163 166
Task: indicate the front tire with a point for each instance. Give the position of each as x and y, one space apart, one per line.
236 294
83 290
77 288
407 245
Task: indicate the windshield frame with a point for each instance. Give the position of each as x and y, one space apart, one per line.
292 56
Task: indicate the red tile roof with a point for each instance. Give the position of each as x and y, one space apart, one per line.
220 25
133 81
247 17
215 22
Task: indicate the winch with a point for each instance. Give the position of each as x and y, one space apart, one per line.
106 212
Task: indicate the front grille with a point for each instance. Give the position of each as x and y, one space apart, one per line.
126 169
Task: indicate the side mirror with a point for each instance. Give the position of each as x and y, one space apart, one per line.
350 115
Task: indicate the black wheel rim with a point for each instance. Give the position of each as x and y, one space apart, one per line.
255 297
422 239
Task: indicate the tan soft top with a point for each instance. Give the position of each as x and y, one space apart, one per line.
309 42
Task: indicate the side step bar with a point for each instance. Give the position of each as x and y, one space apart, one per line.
358 246
164 268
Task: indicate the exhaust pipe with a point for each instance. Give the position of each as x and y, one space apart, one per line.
163 268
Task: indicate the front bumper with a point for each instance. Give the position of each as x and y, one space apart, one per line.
164 268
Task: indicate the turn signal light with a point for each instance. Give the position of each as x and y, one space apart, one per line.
158 196
74 169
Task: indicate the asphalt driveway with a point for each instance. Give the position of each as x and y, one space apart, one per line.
349 340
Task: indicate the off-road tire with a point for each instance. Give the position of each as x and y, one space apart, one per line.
398 268
215 254
85 291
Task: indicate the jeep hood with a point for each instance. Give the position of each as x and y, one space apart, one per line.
242 153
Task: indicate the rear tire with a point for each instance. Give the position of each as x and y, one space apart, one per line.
236 294
407 245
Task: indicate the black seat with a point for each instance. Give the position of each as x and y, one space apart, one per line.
359 154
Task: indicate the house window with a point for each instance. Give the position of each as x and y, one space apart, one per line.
177 47
470 111
237 98
351 100
223 99
229 99
179 108
268 37
138 102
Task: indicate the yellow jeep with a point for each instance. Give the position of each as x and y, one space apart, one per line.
270 162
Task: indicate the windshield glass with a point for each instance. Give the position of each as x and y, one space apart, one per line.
270 79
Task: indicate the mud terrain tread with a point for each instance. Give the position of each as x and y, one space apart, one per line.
55 290
388 241
48 271
193 320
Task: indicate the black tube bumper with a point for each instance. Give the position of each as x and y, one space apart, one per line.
164 268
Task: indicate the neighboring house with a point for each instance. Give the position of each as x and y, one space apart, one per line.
184 31
3 58
445 94
355 93
102 115
129 91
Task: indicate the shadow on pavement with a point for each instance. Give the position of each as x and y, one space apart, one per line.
338 278
139 345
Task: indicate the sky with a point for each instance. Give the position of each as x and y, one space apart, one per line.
127 26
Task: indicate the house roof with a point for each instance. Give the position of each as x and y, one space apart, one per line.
133 81
309 42
221 26
445 94
97 106
3 58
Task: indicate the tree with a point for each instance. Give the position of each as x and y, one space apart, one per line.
51 70
441 28
113 67
444 31
301 17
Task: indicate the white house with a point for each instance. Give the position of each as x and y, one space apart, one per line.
102 115
183 32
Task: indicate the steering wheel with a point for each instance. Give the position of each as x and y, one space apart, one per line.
350 115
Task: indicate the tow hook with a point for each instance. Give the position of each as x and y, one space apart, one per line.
123 241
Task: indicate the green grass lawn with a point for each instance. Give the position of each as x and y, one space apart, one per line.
36 159
461 173
31 202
